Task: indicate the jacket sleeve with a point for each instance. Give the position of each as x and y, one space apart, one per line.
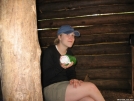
71 74
47 66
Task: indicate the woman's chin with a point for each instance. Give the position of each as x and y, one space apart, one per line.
69 46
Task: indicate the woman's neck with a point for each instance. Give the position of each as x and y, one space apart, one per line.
62 50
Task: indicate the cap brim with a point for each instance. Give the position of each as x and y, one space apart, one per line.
77 33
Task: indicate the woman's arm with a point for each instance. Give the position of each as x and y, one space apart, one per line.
48 67
71 74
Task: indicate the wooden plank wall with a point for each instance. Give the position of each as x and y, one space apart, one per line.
132 48
103 51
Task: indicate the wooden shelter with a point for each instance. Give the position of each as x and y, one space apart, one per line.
103 51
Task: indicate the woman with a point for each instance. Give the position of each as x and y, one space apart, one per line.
58 80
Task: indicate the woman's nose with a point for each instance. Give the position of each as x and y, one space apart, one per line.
71 37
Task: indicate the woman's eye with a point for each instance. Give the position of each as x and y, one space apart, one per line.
72 34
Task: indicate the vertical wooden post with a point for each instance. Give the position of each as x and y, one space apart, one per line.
21 79
0 36
133 69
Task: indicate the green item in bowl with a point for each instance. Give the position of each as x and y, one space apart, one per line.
67 59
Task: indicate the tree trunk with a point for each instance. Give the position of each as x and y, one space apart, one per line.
0 36
21 75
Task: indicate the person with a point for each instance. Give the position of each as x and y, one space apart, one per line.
59 80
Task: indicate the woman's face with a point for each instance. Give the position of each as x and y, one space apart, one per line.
67 39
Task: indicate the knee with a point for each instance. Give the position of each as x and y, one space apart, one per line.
92 86
87 98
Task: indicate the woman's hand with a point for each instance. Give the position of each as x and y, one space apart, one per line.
66 66
75 82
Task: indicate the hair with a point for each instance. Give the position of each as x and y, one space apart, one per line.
56 41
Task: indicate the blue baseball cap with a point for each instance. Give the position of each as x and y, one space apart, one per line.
67 29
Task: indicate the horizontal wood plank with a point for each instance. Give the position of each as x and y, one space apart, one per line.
115 48
92 20
105 61
112 84
104 73
97 29
104 38
86 11
53 5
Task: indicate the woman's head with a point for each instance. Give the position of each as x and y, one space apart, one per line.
66 35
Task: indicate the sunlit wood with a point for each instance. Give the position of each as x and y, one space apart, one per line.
20 56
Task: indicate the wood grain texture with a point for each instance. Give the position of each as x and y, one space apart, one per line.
91 10
86 21
20 52
51 5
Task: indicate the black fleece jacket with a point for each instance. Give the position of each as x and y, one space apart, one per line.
51 70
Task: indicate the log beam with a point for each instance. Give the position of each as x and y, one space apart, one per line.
97 29
86 21
98 61
112 84
53 5
21 79
86 11
105 73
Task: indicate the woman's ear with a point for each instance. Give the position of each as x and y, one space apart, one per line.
59 37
